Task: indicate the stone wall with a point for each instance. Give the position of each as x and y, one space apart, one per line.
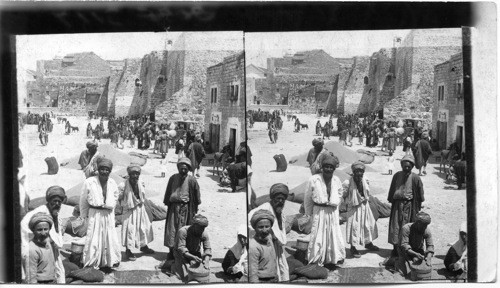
186 83
414 69
226 111
450 109
351 85
376 80
126 88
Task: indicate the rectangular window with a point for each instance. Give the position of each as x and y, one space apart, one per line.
236 90
440 93
213 95
460 92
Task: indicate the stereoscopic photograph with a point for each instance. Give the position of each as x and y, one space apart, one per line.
358 145
132 150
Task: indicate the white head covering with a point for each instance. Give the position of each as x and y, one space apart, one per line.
459 246
237 248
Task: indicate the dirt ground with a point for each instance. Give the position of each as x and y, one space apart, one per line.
218 204
445 204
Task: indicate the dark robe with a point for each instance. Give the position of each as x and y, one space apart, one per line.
406 195
421 153
311 156
196 155
180 213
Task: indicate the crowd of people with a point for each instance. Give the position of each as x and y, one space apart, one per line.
185 237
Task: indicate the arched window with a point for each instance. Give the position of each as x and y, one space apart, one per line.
366 80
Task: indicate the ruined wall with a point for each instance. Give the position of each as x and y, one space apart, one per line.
114 80
186 83
126 88
415 71
351 85
227 111
375 81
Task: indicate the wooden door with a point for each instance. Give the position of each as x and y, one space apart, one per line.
214 136
441 134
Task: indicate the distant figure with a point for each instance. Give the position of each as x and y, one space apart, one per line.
318 128
421 152
89 131
196 153
390 163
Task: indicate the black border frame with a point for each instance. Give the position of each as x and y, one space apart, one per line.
99 17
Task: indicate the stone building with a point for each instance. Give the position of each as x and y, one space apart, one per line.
420 51
74 83
255 77
448 103
225 108
185 75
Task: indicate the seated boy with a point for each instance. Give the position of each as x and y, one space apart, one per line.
261 255
41 264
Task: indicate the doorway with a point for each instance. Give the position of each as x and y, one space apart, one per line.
441 134
459 139
214 130
232 140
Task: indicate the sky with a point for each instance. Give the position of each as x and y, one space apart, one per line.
339 44
109 46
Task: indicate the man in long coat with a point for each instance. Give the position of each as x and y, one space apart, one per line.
88 159
422 152
182 198
406 195
196 153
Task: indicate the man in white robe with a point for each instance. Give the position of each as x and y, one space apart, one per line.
361 226
136 227
55 196
321 202
97 206
279 193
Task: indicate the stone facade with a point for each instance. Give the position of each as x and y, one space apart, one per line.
414 71
448 103
74 83
378 81
225 111
186 68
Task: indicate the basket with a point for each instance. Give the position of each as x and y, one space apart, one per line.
77 248
421 272
198 273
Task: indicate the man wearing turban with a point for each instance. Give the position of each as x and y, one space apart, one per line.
321 202
315 150
279 193
42 255
261 254
97 205
416 246
406 195
320 153
182 198
187 249
88 159
55 196
196 153
136 227
361 226
421 152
